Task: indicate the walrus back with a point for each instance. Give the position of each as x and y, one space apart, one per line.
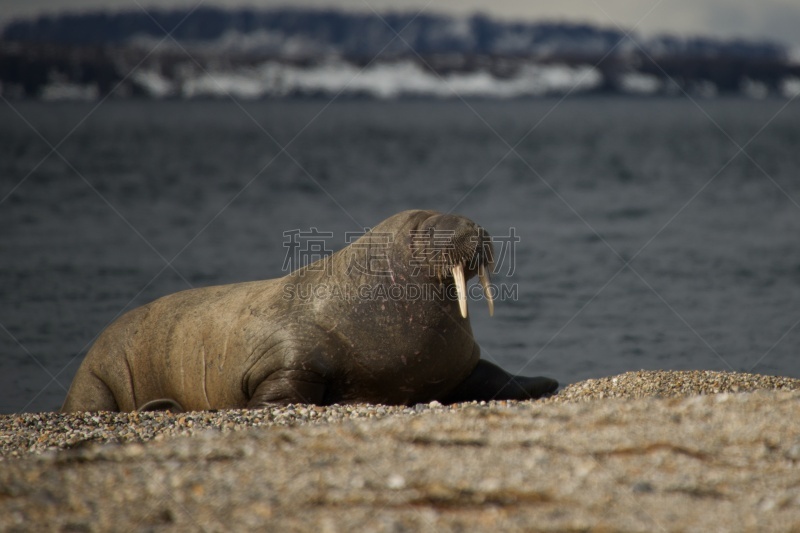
104 379
179 347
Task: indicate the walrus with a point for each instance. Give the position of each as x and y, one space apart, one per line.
344 329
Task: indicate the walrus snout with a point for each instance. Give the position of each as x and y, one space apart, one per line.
459 249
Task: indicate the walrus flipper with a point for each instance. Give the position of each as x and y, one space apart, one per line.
89 393
162 404
289 386
490 382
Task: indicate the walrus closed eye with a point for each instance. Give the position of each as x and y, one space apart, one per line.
369 323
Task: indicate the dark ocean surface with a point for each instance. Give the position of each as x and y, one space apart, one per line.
142 199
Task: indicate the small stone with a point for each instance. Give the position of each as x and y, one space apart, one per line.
396 482
793 453
767 505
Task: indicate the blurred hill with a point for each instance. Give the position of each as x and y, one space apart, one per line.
291 52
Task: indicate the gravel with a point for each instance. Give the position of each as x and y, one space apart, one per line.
642 451
671 384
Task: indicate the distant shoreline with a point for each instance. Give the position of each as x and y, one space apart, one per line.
254 54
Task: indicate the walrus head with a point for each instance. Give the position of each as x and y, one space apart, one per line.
454 249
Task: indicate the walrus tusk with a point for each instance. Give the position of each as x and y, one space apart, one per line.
486 292
461 288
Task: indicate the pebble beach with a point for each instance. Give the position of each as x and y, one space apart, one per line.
641 451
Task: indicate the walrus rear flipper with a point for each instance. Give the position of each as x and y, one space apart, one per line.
490 382
162 404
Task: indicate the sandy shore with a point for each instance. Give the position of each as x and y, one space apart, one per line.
644 451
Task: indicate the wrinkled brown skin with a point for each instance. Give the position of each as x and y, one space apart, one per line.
249 345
